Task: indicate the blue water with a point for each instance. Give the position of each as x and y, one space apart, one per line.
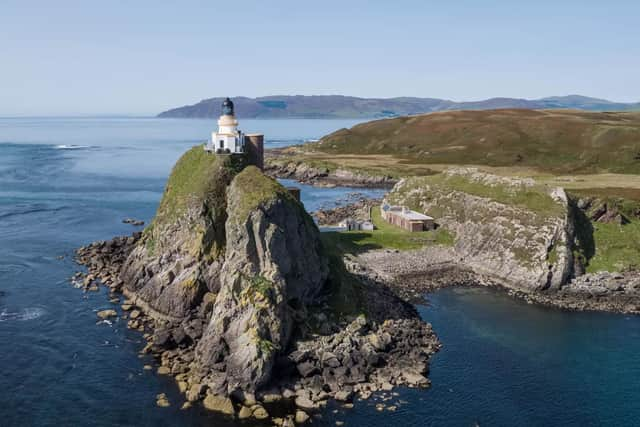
67 182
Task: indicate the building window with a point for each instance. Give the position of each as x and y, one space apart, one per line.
221 143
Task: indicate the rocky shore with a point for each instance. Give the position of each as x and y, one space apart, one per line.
342 360
323 176
230 286
411 274
532 255
358 210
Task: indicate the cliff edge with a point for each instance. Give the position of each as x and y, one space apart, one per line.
231 284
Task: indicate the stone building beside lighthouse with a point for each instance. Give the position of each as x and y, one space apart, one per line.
232 141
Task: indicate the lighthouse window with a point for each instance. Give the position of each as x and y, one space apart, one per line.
221 143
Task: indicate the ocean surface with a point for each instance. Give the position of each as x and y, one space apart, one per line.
67 182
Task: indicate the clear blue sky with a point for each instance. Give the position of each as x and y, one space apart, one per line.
141 57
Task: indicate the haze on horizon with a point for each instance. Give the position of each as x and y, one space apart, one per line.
143 57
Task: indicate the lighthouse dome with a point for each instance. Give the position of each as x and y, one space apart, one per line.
227 107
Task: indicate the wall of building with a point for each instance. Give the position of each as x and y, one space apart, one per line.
254 147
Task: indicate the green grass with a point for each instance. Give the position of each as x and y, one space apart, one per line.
198 180
617 247
255 189
385 236
198 176
534 198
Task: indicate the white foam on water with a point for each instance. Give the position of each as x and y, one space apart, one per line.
71 147
26 314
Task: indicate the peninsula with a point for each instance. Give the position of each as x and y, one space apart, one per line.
242 301
251 309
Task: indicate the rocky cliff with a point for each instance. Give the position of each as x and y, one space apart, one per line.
241 240
231 283
323 176
509 229
273 268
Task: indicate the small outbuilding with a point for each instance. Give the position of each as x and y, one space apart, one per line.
351 224
403 217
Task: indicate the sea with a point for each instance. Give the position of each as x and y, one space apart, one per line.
65 182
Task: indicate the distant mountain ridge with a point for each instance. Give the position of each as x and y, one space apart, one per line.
338 106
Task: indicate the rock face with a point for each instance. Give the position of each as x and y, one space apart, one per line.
233 244
321 176
509 229
179 256
230 282
273 268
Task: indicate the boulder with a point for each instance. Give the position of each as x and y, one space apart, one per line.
301 417
105 314
220 404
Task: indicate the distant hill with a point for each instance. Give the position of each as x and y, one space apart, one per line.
559 141
337 106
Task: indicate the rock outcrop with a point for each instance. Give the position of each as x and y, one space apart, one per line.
322 176
231 279
509 229
273 269
180 254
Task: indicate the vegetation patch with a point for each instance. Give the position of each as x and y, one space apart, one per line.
255 190
556 141
535 198
385 236
198 181
617 247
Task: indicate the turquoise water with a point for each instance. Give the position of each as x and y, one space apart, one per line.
67 182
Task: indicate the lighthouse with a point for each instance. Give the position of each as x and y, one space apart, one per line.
231 140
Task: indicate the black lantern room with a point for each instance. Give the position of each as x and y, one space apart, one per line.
227 107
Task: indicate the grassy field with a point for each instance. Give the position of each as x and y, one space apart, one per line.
384 236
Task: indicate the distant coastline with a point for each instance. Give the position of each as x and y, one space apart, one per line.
348 107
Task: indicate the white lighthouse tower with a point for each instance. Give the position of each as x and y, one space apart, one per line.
228 139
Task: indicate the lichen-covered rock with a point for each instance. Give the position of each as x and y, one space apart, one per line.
177 259
273 268
510 229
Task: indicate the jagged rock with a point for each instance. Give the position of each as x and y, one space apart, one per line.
305 403
301 417
259 412
195 392
273 262
344 396
105 314
219 404
307 369
244 413
162 400
174 263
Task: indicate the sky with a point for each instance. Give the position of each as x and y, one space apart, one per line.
142 57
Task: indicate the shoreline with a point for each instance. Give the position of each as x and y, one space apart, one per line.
602 291
357 356
280 165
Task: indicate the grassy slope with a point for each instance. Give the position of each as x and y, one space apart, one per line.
199 179
552 140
